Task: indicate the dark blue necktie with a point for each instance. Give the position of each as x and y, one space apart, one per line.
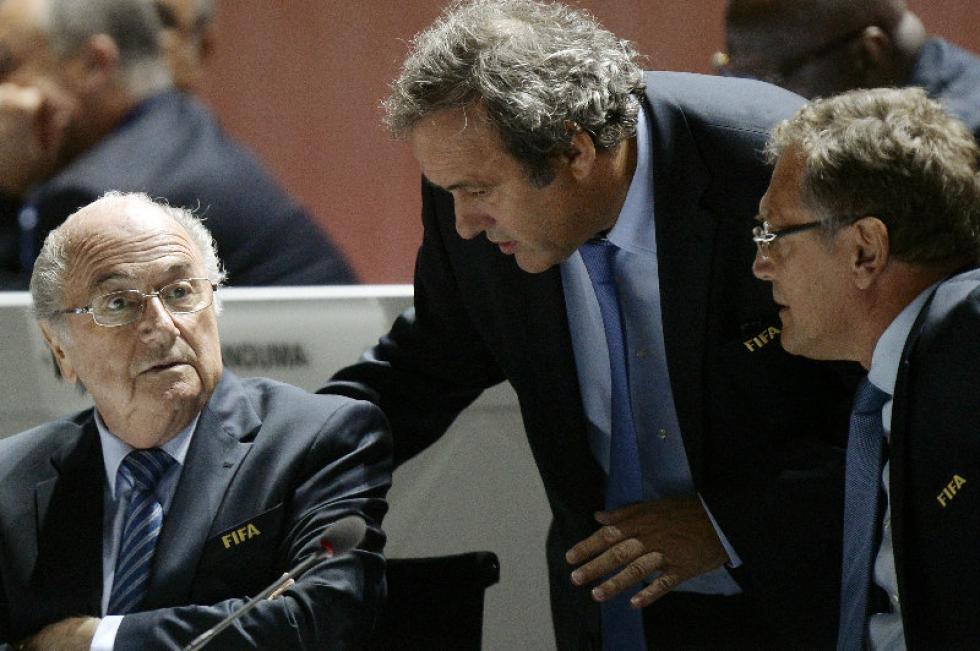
622 626
141 528
861 490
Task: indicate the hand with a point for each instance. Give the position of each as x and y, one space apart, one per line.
72 634
673 536
33 123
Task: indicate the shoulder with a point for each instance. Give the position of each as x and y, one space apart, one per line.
720 103
28 453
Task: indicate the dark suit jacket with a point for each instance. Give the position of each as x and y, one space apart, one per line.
935 471
952 76
762 429
172 147
265 454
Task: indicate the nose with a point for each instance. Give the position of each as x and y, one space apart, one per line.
470 221
156 325
762 267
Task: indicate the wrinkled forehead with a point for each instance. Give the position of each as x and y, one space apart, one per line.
130 243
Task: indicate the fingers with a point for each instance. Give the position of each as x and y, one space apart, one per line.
595 544
657 589
631 575
616 557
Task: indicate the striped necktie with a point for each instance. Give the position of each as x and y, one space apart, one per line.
141 528
861 497
622 626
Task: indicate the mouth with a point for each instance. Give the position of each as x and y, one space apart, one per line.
508 247
162 367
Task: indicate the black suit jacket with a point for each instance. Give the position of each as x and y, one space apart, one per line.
952 76
263 454
172 147
935 471
762 429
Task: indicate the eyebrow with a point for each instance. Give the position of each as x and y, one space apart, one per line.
112 276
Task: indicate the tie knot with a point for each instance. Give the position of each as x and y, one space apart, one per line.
869 398
145 467
598 258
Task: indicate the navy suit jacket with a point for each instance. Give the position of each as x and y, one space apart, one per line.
935 470
763 430
172 147
263 454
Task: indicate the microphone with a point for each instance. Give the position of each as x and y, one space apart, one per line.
338 538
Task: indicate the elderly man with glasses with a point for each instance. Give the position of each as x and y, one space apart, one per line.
145 521
871 240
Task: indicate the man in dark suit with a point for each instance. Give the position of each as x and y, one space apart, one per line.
532 126
819 48
87 105
871 238
141 523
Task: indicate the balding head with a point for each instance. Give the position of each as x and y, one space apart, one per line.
822 47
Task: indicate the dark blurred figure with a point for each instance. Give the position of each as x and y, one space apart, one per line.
188 38
824 47
87 105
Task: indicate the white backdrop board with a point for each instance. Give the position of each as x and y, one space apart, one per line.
477 488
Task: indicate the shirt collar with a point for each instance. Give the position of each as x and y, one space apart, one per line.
888 350
114 450
634 230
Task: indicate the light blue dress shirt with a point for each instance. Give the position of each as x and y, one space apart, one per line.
885 632
663 460
116 499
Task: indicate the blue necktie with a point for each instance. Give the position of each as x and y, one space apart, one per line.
622 626
141 528
861 490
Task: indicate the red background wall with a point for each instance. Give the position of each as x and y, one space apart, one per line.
299 81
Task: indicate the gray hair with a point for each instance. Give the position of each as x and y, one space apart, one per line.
132 24
538 68
896 155
53 264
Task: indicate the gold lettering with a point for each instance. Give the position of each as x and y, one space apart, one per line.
748 344
941 500
959 481
761 339
773 331
226 539
253 530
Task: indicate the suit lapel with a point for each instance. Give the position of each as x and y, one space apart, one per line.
70 524
685 244
214 456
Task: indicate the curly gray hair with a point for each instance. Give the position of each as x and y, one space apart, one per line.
538 68
53 264
896 155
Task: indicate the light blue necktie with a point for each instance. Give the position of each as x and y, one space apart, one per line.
861 490
622 626
141 528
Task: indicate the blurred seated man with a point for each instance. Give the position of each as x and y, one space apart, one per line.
141 523
187 39
871 238
823 47
87 105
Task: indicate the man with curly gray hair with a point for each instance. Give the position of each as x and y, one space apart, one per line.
630 327
871 238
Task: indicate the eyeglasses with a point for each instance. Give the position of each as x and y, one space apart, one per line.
722 64
763 236
115 309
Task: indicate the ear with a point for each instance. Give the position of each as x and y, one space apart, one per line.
581 154
59 352
875 58
96 65
870 250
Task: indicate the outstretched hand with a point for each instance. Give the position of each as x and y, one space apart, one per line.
673 536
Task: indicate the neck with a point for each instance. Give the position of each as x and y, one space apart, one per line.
897 286
613 183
